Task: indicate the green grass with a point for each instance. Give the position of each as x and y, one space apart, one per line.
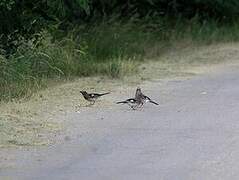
112 49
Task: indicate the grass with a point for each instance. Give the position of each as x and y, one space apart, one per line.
112 49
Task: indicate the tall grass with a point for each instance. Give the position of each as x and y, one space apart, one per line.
113 49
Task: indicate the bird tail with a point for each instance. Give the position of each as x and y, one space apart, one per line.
104 94
153 102
121 102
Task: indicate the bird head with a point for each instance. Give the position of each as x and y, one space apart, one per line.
83 92
138 93
138 89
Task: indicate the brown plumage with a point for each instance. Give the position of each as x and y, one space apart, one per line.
142 99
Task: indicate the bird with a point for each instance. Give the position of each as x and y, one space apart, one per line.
91 97
142 99
132 102
139 96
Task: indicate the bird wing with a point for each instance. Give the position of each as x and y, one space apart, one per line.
153 102
131 100
95 95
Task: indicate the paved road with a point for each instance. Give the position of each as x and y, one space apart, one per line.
193 135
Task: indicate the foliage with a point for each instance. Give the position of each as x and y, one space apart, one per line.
25 18
205 8
41 39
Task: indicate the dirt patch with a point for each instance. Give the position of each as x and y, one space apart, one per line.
16 131
38 120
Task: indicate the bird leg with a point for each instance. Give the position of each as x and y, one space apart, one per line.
92 102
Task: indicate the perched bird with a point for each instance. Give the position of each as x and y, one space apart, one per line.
132 102
142 99
91 97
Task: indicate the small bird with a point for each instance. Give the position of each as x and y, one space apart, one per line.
142 99
91 97
132 102
139 96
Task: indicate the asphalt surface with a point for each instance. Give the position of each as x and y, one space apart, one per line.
192 135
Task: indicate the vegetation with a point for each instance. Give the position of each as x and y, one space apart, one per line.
42 39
